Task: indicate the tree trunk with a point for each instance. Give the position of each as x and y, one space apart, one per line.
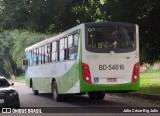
11 68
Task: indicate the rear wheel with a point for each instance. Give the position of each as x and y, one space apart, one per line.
56 96
35 92
96 95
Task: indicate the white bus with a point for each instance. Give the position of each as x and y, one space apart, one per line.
92 58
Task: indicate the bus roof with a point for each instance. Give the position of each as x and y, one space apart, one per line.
63 34
54 38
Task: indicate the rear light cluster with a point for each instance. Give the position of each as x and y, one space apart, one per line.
86 73
135 73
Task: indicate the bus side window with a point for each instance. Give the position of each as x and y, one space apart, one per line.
65 43
75 36
40 56
75 44
48 52
66 49
70 41
29 59
61 50
54 51
37 55
32 60
26 60
34 56
43 55
70 47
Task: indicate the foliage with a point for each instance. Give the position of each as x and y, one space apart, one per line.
145 13
12 47
6 41
23 39
20 78
24 18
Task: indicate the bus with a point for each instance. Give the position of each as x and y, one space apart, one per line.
91 58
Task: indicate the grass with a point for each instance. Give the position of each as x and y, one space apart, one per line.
151 70
150 75
150 87
150 83
20 78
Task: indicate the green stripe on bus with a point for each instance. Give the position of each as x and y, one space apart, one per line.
74 74
68 80
85 87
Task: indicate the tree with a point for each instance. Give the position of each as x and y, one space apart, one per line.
23 39
6 41
23 21
150 32
145 13
12 50
14 14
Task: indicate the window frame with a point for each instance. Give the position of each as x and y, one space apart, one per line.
95 50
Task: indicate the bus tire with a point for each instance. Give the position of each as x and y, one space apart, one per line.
35 92
56 96
96 95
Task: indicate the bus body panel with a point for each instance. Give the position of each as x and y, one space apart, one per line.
105 66
128 87
110 71
64 72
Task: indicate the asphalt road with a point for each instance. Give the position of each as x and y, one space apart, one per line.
27 99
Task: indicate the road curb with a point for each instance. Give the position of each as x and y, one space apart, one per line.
16 81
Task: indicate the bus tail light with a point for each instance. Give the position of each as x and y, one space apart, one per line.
135 73
86 73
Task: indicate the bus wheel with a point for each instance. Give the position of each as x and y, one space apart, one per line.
96 95
56 96
35 92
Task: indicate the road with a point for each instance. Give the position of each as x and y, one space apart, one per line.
27 99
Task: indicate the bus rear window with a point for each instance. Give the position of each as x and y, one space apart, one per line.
110 38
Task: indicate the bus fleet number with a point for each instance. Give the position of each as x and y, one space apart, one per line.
111 67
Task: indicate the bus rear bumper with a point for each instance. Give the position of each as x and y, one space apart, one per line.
118 88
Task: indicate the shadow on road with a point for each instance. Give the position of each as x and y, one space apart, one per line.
84 101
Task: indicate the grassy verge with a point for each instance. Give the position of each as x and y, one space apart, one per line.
150 83
150 75
151 70
149 88
20 78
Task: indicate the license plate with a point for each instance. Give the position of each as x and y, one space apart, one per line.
111 79
1 101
